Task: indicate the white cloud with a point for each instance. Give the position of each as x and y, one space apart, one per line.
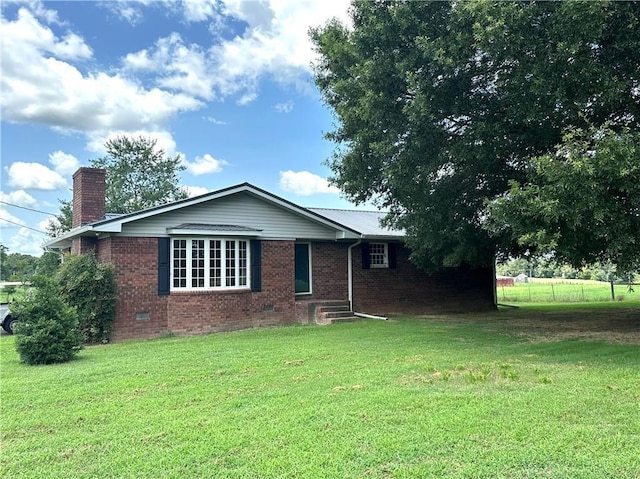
39 10
64 163
247 98
284 107
183 68
30 34
275 43
304 183
26 241
195 190
199 10
20 198
45 79
203 165
7 220
34 176
126 10
213 120
42 225
40 84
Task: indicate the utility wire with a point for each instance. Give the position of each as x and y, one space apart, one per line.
22 226
25 208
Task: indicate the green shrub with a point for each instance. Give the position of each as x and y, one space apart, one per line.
10 289
47 330
90 288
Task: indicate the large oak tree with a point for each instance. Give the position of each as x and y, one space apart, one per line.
440 106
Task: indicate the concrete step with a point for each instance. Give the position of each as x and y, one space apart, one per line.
332 309
337 314
345 319
337 306
327 312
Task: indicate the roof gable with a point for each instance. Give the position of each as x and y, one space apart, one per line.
114 224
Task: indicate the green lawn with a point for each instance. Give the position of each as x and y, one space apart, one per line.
560 292
497 395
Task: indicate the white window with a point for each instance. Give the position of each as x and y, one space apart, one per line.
378 255
209 263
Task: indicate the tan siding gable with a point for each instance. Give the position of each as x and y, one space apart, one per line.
241 209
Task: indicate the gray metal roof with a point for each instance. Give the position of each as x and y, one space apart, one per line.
366 223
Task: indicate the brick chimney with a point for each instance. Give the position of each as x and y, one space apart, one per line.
89 188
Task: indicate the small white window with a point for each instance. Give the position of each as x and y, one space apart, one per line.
378 255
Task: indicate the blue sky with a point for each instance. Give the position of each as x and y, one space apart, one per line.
225 84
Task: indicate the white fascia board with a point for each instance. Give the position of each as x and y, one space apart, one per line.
108 228
68 236
342 234
212 232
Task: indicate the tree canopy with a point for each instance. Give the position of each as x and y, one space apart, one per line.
581 204
139 174
441 106
16 266
62 221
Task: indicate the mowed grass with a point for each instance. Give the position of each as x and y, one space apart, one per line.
450 396
572 291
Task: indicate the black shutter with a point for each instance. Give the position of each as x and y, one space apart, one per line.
391 252
164 258
366 259
256 266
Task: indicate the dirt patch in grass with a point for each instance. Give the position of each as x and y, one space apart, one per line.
613 325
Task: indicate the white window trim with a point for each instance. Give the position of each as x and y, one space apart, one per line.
207 251
385 259
307 293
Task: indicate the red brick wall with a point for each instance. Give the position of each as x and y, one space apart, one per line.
329 271
88 195
203 312
406 289
83 244
376 291
136 271
136 268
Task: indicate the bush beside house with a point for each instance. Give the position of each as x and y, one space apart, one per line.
90 288
48 329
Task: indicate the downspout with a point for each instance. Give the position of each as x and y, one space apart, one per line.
350 276
350 271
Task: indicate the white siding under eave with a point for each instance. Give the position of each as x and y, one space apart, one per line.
239 209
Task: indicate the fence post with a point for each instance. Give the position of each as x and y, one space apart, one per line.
613 294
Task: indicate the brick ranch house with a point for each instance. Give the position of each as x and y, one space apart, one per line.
242 257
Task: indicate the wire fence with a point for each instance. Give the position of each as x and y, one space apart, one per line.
568 292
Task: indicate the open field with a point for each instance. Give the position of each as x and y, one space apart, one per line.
535 392
541 290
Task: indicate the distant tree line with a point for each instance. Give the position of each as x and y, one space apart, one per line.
20 267
542 268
